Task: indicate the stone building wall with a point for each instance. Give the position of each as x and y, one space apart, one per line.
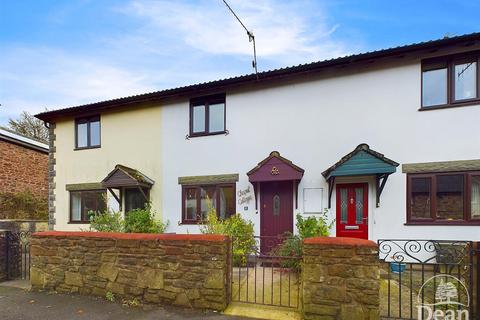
340 279
51 175
184 270
23 169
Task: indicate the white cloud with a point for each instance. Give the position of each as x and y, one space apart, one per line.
166 44
289 32
34 78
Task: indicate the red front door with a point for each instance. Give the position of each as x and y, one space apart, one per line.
352 210
276 215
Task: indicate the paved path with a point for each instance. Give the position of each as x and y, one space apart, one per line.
19 304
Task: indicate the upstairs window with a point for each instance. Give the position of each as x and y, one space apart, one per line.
434 85
443 198
450 81
87 133
207 115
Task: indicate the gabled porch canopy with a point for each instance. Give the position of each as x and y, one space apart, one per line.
362 161
275 168
125 177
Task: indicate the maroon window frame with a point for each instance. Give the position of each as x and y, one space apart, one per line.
206 102
432 218
88 121
98 205
449 63
198 217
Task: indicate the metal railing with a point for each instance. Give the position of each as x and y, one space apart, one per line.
268 273
18 255
419 277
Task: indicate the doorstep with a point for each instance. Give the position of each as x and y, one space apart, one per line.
258 311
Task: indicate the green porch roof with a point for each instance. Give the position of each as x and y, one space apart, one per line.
361 161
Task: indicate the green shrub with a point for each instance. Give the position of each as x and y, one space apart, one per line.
143 221
136 221
107 222
23 205
313 226
292 246
238 229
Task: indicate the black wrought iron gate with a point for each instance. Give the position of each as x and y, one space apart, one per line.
267 271
17 254
421 277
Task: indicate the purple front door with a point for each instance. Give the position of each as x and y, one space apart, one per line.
276 216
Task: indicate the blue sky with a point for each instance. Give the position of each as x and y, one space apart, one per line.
57 54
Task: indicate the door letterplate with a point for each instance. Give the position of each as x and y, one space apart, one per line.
352 227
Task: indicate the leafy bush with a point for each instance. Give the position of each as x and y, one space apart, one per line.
23 205
292 246
143 221
313 226
238 229
107 222
136 221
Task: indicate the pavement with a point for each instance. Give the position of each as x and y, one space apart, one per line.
21 304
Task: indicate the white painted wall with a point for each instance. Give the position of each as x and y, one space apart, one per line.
314 124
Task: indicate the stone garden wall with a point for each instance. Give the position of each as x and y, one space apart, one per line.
24 225
340 279
184 270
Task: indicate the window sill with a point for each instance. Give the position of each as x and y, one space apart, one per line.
187 223
442 223
86 148
195 135
79 222
452 105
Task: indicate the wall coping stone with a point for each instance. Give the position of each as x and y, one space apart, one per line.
134 236
340 241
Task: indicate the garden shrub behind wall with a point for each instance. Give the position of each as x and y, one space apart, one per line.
184 270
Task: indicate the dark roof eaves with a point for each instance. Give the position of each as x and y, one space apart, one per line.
262 76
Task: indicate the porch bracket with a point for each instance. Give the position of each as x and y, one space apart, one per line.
331 183
115 196
380 180
143 193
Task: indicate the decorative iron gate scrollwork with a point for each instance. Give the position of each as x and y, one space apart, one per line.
18 254
414 273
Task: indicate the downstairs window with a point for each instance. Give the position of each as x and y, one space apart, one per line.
443 198
85 203
197 200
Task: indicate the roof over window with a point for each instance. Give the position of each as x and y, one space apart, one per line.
444 166
361 161
210 179
123 176
275 168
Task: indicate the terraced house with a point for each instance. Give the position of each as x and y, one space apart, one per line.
385 142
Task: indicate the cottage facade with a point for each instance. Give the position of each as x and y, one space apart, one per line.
384 143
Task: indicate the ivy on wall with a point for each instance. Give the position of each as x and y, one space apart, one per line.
23 205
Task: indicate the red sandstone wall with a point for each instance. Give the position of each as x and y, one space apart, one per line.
23 169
